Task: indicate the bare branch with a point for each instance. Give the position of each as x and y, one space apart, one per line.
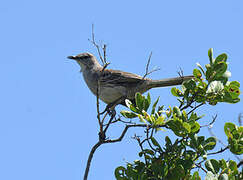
220 151
92 40
147 72
195 108
141 147
90 158
125 130
211 123
98 106
180 72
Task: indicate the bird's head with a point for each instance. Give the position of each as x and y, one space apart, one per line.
85 60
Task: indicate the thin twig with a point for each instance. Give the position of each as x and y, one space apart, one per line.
98 106
199 166
103 59
211 123
142 149
190 102
220 151
149 137
195 108
220 141
180 73
147 72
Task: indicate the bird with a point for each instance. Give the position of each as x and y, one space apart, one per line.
114 86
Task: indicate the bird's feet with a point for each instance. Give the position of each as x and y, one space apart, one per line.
111 112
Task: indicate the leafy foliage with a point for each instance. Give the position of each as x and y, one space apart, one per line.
178 159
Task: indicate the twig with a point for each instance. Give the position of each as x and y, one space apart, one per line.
199 166
220 151
240 164
90 158
103 59
147 72
195 108
211 123
180 73
190 102
141 147
149 137
98 106
220 141
125 130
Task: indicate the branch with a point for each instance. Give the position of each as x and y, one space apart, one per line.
142 149
102 58
220 151
199 166
240 164
90 158
147 72
211 123
195 108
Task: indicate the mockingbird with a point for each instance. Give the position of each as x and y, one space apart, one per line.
115 86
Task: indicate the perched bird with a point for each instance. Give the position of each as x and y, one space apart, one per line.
115 86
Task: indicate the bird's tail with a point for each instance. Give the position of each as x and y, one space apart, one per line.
169 81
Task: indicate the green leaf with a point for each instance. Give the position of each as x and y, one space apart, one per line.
228 128
154 106
220 69
197 73
210 55
233 165
201 68
196 176
191 84
139 101
233 90
155 143
128 114
149 151
147 102
179 171
221 57
141 118
223 163
210 143
235 83
160 120
176 92
120 173
212 165
187 127
195 126
168 141
177 111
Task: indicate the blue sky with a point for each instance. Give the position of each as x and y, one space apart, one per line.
47 114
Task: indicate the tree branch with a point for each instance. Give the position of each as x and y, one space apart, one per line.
90 159
147 72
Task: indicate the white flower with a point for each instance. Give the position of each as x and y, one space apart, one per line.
215 87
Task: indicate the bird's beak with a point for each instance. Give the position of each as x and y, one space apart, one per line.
72 57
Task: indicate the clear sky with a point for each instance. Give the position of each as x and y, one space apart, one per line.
47 114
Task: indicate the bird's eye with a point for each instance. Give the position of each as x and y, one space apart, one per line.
85 57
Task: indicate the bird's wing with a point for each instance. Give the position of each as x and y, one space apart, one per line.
116 77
